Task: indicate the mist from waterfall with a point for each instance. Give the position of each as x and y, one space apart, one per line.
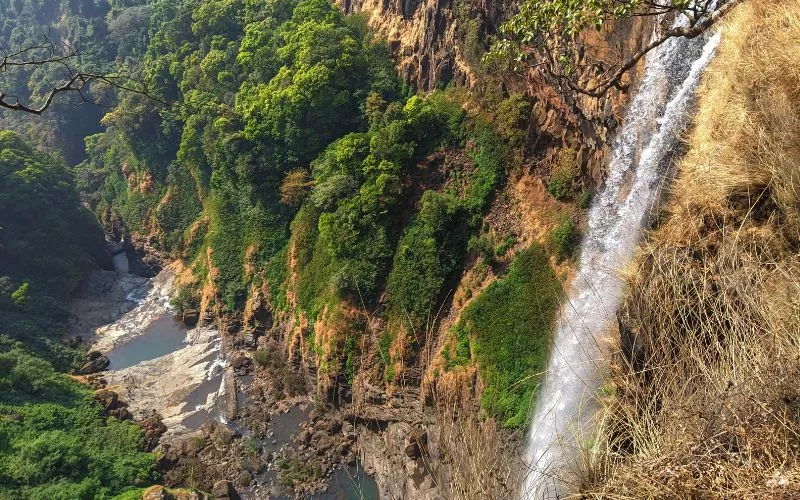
658 114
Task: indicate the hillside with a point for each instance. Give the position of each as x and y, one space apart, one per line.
704 388
371 215
55 439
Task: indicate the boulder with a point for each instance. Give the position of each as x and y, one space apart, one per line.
121 414
94 365
419 436
222 436
108 399
412 451
224 490
324 444
241 362
92 355
304 437
153 428
251 339
416 444
329 425
191 316
156 493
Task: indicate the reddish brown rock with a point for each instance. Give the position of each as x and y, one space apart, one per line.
153 429
224 490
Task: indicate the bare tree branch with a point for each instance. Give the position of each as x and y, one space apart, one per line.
700 25
49 53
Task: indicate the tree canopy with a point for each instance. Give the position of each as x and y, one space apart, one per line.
544 34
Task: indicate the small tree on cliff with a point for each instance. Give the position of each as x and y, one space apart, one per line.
544 35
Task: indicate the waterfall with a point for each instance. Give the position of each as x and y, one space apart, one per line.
657 115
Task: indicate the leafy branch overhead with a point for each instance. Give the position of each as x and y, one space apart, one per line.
545 35
62 62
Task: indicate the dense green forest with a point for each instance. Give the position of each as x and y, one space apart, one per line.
47 242
290 147
54 440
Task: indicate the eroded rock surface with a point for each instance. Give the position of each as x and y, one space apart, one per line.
115 309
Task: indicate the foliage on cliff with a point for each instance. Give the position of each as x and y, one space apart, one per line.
291 159
54 440
258 89
507 330
47 242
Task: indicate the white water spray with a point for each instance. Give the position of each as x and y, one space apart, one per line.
658 114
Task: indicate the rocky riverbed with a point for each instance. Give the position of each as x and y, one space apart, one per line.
155 363
218 408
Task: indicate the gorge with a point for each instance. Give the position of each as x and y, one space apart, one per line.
399 250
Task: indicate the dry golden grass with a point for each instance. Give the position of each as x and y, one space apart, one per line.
708 380
744 156
478 458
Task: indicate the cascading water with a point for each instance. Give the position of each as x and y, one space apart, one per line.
658 114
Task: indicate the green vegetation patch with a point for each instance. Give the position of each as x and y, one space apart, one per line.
47 243
54 440
564 238
510 326
434 242
428 252
563 173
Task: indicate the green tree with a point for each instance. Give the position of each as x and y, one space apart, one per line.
545 34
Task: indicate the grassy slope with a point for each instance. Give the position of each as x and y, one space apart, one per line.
509 328
707 402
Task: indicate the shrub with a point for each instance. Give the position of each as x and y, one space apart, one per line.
185 297
563 240
268 358
463 353
511 118
482 246
487 155
295 187
505 245
428 251
562 173
586 197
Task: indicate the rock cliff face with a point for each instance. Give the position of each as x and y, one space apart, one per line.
427 36
437 43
